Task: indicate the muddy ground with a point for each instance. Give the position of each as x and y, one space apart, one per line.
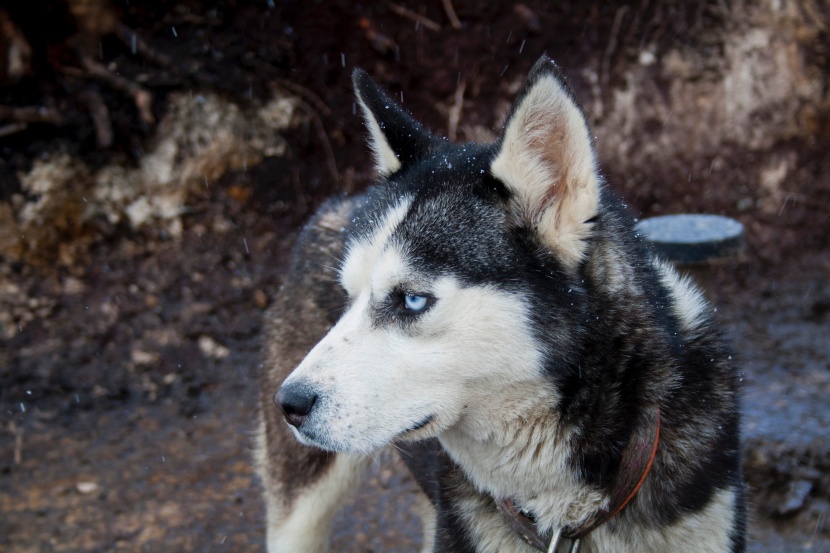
128 365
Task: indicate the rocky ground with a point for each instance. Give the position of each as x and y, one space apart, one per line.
134 275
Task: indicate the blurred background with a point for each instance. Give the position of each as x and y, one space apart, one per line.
157 158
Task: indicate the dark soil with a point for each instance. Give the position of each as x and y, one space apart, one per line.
127 392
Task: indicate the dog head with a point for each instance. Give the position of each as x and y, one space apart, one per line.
443 270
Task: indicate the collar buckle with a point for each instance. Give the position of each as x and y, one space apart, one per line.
560 539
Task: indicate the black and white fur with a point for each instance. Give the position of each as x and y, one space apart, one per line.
490 308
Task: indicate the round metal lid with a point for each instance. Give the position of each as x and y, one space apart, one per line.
688 238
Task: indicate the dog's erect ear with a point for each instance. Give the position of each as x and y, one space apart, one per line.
395 137
546 159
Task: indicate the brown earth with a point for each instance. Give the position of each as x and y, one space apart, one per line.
130 349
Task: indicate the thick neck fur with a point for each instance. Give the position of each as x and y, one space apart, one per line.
523 457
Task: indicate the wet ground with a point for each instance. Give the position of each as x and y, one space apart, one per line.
127 370
781 340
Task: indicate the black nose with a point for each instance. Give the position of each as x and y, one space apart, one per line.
296 402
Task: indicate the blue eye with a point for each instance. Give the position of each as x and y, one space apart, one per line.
415 303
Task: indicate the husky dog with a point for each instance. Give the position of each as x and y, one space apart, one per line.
490 309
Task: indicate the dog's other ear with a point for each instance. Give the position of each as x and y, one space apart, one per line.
546 159
395 137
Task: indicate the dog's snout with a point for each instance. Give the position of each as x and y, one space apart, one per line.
296 402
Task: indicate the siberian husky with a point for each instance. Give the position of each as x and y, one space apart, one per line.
490 310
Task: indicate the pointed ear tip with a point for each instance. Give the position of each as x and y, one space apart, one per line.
544 58
546 65
358 73
361 81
